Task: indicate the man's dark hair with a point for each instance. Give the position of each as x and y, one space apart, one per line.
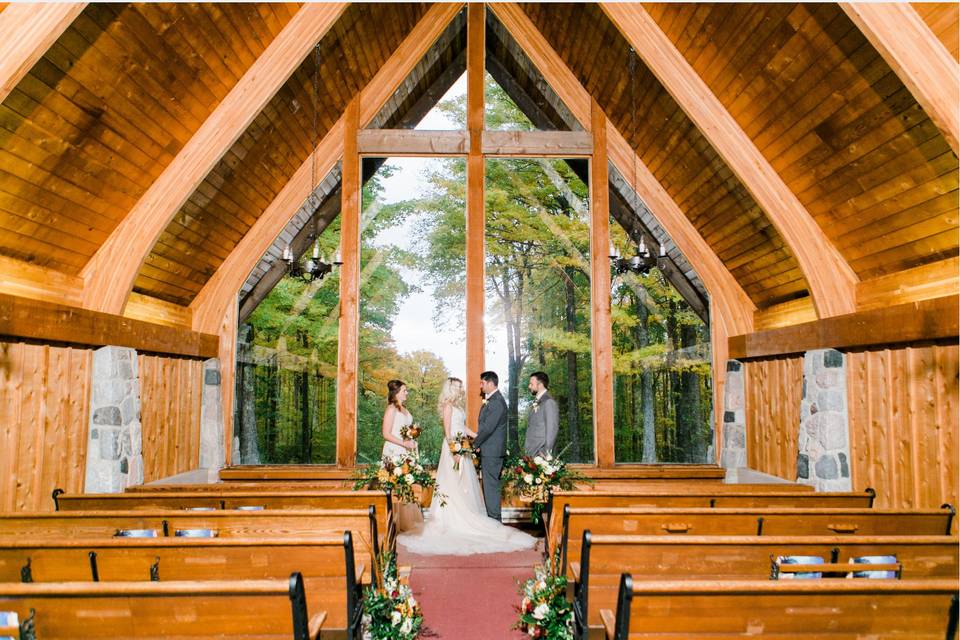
490 376
542 378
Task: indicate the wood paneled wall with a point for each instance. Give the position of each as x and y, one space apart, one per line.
45 404
773 390
170 397
903 423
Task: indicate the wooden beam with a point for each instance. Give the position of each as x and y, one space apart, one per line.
150 309
349 343
385 143
933 280
917 56
601 332
537 144
110 273
785 314
21 278
476 229
227 355
22 318
912 322
831 281
31 29
211 303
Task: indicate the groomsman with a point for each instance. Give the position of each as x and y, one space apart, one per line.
543 422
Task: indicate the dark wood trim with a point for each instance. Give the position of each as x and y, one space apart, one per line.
911 322
24 318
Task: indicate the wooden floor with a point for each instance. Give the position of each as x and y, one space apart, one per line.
470 597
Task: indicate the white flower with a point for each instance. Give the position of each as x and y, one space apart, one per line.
395 618
539 481
411 602
541 585
409 478
538 461
532 630
458 447
398 471
528 478
541 611
407 626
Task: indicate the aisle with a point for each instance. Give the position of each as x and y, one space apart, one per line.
470 597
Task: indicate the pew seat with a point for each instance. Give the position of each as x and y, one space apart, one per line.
180 610
794 609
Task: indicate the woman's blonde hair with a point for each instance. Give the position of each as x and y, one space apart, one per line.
450 395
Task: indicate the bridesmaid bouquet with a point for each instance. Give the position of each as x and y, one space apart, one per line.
460 445
397 473
410 431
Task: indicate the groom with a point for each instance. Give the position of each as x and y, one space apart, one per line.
491 440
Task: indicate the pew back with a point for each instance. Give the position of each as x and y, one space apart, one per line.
225 499
917 609
221 609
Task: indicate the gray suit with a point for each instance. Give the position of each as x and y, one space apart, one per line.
543 423
492 441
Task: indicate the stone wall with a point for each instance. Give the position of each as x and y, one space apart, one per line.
734 453
823 458
212 449
115 439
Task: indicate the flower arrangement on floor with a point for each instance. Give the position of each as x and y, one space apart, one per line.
544 611
461 445
397 474
390 612
533 478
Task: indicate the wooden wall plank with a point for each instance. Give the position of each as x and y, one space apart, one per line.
45 395
169 415
772 405
37 26
925 282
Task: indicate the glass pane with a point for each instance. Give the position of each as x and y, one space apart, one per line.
412 294
287 369
450 113
663 391
538 295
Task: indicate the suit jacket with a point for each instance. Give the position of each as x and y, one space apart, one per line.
492 427
543 423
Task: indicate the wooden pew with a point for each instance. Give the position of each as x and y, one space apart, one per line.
596 572
289 499
772 521
841 609
366 525
289 473
332 576
677 496
190 609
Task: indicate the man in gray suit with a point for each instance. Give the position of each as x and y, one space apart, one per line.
543 423
491 440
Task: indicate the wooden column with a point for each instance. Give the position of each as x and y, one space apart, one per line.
228 371
600 291
349 291
475 207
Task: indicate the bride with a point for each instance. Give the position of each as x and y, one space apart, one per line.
460 526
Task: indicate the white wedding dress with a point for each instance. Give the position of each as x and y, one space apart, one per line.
461 526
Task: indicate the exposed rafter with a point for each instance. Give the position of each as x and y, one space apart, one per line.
30 30
831 281
917 56
110 274
215 298
733 309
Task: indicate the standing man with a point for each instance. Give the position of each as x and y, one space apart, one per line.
491 440
543 422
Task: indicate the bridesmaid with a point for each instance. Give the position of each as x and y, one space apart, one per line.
395 418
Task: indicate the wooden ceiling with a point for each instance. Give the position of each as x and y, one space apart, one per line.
109 105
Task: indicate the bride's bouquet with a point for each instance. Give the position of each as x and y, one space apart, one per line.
532 479
397 473
410 431
460 445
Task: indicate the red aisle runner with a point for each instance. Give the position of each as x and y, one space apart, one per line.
470 597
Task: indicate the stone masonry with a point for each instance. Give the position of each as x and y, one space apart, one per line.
115 439
212 448
823 458
734 453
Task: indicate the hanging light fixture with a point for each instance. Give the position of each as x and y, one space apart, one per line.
314 268
643 260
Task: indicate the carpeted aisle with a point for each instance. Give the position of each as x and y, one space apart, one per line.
470 597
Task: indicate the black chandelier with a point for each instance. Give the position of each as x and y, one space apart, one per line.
640 263
314 268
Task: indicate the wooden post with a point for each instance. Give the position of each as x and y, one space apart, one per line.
349 291
476 285
600 292
228 370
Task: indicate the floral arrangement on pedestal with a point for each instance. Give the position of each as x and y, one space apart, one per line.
390 612
533 478
544 610
397 474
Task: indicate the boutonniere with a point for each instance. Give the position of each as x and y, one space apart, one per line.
484 402
536 405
